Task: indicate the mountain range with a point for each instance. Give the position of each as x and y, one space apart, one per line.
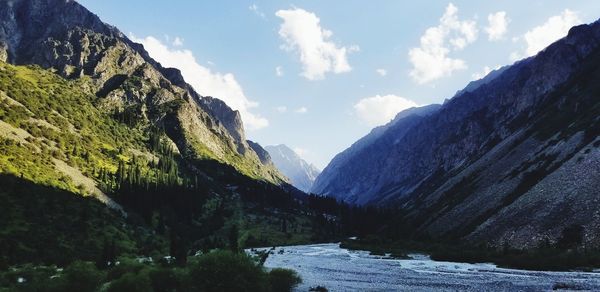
301 174
103 149
513 159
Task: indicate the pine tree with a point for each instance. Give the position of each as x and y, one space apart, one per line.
178 249
283 225
108 256
233 238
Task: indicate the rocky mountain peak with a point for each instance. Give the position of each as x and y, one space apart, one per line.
301 174
231 119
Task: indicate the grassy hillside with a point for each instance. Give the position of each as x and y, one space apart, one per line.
83 187
46 118
56 144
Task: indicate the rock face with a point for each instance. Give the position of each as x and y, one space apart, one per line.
301 174
353 176
65 37
512 160
263 154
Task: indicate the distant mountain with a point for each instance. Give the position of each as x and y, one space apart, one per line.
301 174
513 159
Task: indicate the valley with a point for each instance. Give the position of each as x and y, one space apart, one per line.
120 171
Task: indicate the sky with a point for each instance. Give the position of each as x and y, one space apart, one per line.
318 75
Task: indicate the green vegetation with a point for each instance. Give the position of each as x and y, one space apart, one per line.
62 123
44 225
213 271
57 145
283 279
130 160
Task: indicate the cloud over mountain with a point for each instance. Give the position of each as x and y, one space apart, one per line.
204 81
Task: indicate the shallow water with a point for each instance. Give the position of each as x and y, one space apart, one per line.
339 269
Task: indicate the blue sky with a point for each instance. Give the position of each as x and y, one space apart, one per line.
318 75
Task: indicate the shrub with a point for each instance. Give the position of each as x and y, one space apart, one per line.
125 266
82 276
226 271
283 279
132 282
166 279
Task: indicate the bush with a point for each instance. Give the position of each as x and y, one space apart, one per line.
132 282
82 276
166 279
125 266
226 271
283 279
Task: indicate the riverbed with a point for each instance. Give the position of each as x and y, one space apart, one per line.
339 269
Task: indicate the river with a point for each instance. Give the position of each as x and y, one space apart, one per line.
339 269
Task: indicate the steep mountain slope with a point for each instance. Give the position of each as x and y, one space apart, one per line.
353 175
301 174
65 37
512 161
84 112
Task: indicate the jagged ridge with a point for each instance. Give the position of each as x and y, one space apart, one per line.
64 36
497 162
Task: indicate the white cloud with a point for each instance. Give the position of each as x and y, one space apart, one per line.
254 8
301 110
431 60
302 33
541 36
204 81
497 25
353 49
377 110
279 71
486 70
281 109
178 42
514 56
381 72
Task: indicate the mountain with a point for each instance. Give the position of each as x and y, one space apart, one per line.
64 37
86 113
510 161
301 174
353 175
486 79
